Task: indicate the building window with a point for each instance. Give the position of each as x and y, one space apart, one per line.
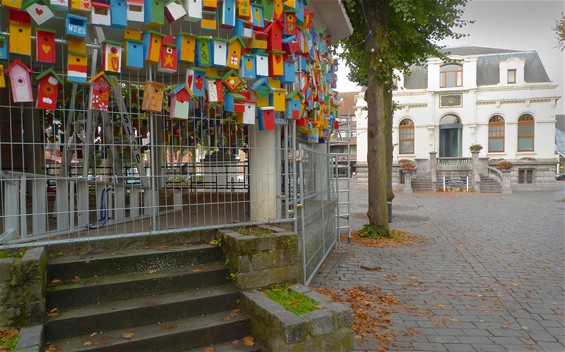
496 134
511 76
451 75
525 176
526 133
406 137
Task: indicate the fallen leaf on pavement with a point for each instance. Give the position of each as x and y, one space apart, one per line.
248 341
128 335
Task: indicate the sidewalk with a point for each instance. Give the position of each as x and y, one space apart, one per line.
489 275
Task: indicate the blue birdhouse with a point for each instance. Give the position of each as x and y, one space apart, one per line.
119 10
75 25
289 75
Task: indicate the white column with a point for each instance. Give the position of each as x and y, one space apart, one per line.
262 178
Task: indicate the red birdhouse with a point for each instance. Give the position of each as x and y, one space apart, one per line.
45 45
48 89
275 31
100 88
169 56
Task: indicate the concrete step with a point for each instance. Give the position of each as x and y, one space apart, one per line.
488 185
233 346
170 336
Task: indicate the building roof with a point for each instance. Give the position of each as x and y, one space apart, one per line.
346 103
488 60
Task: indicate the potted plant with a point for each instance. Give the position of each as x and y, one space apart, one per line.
475 147
407 165
504 165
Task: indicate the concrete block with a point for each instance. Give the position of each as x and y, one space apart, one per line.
320 322
30 339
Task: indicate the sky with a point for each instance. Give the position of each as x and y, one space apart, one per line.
507 24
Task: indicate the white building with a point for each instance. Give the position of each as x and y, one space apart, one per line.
500 99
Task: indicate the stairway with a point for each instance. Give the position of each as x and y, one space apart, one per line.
422 183
489 185
160 299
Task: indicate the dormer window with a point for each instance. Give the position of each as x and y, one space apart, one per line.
451 75
511 76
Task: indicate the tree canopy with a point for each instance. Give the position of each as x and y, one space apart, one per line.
560 31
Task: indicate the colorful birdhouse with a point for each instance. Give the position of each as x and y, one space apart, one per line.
293 103
210 5
266 118
257 16
262 64
277 99
174 10
219 52
20 81
244 9
75 26
179 102
227 14
247 117
45 45
248 68
3 48
208 21
276 63
299 11
2 77
214 90
81 5
231 100
243 28
203 58
100 14
290 45
169 56
194 10
153 96
135 10
290 26
40 13
60 5
186 45
100 87
268 9
234 52
12 4
112 57
289 75
152 43
232 81
77 62
154 13
259 40
119 11
274 29
196 81
261 88
47 89
278 10
20 33
133 49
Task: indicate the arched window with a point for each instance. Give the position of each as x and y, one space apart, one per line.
496 134
406 136
451 75
526 133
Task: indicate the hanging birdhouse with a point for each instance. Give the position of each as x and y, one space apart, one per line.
262 64
174 10
20 33
152 42
169 56
112 57
119 13
274 29
234 52
45 45
277 99
244 9
203 51
12 4
39 12
100 88
278 10
186 45
268 9
81 5
47 90
59 5
276 63
290 26
231 80
214 91
133 50
290 45
196 81
2 77
248 68
219 52
299 11
247 117
3 48
266 118
257 16
293 103
135 10
77 62
208 21
100 14
179 102
75 26
154 13
153 96
233 101
243 28
20 82
194 10
289 75
259 40
227 14
261 88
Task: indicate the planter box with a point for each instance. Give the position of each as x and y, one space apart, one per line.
258 261
326 329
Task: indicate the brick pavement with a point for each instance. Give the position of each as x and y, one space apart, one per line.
489 275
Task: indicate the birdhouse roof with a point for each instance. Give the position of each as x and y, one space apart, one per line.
17 62
156 84
236 96
237 38
273 25
260 82
178 89
112 42
295 94
51 72
44 29
229 73
169 40
102 75
100 4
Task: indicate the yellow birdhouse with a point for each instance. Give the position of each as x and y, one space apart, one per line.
20 33
278 99
153 96
186 44
2 77
12 4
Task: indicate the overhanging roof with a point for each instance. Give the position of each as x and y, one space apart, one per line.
331 16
